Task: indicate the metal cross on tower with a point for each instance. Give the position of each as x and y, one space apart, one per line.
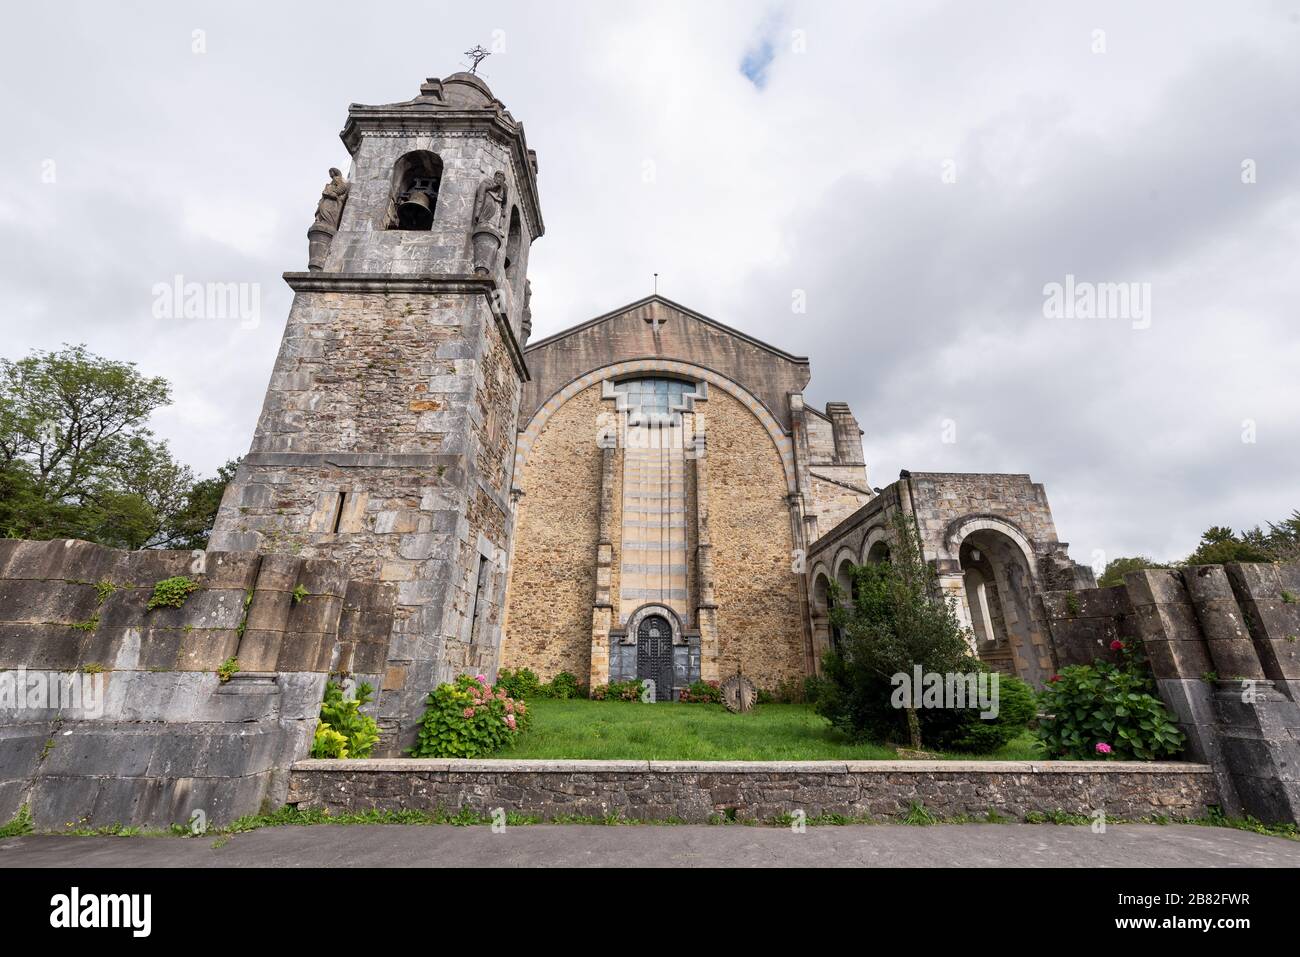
477 54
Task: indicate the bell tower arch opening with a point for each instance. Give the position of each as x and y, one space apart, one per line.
414 197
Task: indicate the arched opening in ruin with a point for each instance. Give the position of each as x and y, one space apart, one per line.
825 634
998 588
877 553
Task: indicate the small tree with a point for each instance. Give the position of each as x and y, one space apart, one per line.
897 620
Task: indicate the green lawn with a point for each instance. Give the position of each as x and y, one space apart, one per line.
702 732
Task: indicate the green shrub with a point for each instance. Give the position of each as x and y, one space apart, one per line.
618 691
702 692
967 731
1106 710
522 683
563 686
342 716
468 718
171 592
787 691
328 743
814 686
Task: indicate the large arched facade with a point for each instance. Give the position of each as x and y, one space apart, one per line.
677 496
666 460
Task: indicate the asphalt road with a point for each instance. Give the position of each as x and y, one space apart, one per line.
964 845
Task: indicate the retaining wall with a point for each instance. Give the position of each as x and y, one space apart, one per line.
111 713
756 790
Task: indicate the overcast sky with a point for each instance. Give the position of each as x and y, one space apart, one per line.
918 172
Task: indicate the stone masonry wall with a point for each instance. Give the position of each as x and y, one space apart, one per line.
386 442
151 733
552 581
1223 644
760 621
762 791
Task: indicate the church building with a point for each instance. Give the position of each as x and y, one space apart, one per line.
645 494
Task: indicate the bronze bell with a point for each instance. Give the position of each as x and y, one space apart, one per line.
415 210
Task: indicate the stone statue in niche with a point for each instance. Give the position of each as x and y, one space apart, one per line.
489 213
526 324
329 211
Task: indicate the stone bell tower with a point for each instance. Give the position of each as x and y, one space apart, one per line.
386 438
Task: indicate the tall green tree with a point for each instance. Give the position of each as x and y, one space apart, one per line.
896 621
1219 544
77 459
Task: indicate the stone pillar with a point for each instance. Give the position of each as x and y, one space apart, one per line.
952 586
1269 599
1180 663
602 615
706 609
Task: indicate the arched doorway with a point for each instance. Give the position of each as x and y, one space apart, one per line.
654 655
998 585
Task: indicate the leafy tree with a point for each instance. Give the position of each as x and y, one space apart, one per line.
1219 544
897 621
77 459
1284 538
1116 568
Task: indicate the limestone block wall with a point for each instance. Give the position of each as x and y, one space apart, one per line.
386 442
757 590
552 577
836 493
111 713
759 622
1224 647
1084 623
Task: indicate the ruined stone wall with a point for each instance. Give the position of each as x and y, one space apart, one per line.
1223 644
552 581
153 733
939 497
759 618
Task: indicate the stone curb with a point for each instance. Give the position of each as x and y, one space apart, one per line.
750 767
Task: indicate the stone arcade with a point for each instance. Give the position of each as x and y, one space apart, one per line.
644 494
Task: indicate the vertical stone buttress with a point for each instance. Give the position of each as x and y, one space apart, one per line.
386 438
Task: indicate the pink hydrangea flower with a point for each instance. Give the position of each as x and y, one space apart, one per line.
469 712
481 679
510 706
510 721
1103 747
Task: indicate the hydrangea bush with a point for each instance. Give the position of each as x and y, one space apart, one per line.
469 718
1108 711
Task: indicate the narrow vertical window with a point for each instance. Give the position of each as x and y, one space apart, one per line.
338 512
478 608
